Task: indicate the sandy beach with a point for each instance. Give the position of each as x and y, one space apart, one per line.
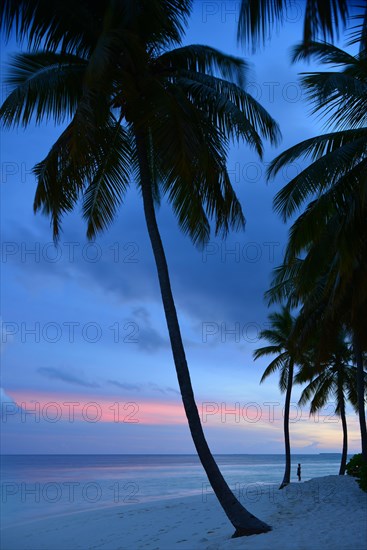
323 513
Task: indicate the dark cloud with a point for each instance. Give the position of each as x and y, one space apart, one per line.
242 264
172 390
54 373
125 386
148 338
35 257
147 387
164 390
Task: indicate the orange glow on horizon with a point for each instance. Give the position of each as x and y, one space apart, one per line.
323 432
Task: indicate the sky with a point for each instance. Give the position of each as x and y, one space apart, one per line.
86 365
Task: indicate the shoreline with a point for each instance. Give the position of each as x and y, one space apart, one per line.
327 512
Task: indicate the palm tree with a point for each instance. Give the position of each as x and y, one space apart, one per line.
323 19
331 235
335 378
137 109
284 347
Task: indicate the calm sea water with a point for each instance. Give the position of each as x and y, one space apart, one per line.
39 486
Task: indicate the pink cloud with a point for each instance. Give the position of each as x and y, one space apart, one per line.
57 406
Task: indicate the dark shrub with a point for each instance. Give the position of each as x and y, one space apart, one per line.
357 467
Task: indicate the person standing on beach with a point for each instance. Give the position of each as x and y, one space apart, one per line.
299 472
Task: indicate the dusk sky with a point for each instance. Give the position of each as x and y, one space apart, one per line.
84 342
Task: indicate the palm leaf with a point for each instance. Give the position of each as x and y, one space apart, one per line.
322 52
334 155
257 18
59 181
63 25
279 363
239 114
267 350
110 181
68 26
206 60
340 97
46 85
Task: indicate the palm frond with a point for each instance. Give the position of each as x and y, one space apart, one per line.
333 155
59 181
220 110
358 32
62 25
279 363
321 396
72 26
267 350
159 24
339 97
283 283
323 52
45 85
106 190
71 162
206 60
323 19
193 170
316 223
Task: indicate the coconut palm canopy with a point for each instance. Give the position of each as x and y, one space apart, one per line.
114 77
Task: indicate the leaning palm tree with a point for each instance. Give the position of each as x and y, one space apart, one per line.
137 110
331 235
333 378
284 347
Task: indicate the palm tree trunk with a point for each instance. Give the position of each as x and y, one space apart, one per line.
343 461
243 521
360 392
287 472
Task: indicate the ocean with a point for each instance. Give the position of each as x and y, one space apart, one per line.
40 486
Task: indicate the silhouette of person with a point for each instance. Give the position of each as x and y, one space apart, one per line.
299 472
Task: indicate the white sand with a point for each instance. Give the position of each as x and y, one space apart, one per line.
320 514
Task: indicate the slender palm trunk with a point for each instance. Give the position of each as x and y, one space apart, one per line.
343 461
287 472
360 393
341 399
243 521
